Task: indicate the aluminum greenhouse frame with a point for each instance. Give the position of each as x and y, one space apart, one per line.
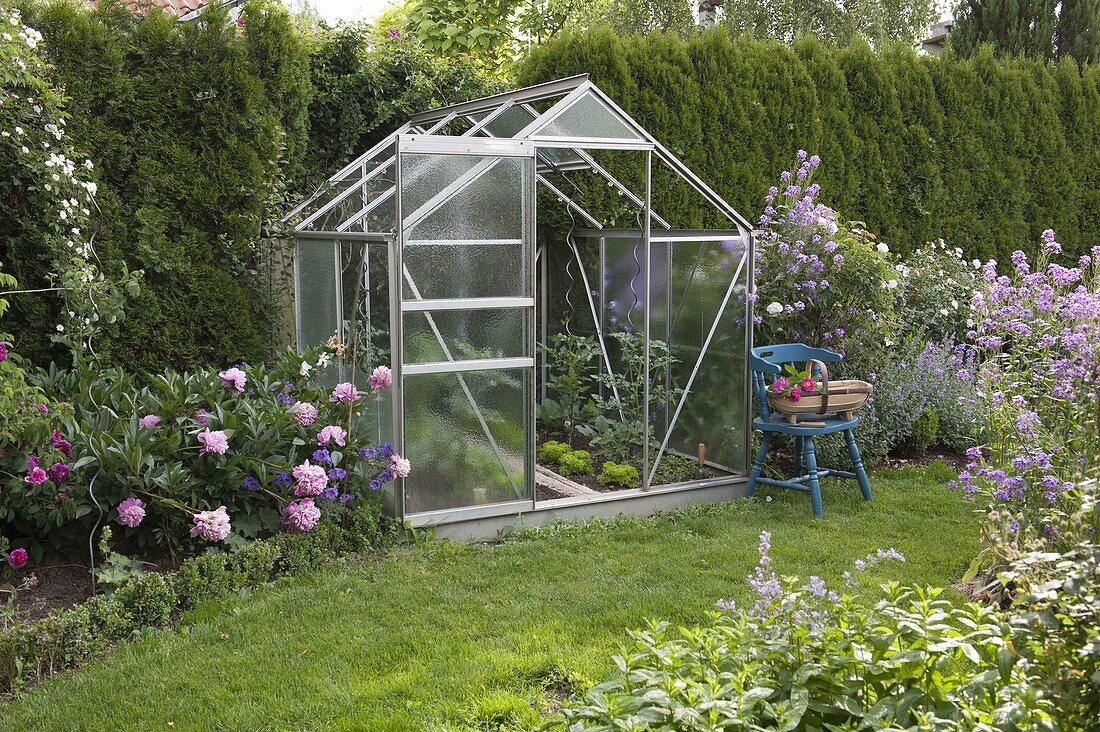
433 232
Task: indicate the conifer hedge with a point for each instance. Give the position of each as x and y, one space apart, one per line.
984 153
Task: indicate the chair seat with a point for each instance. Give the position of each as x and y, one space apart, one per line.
777 423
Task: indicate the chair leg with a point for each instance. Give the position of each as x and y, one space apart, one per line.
758 466
815 484
799 448
857 463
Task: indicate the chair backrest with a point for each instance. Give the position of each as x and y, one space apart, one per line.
767 361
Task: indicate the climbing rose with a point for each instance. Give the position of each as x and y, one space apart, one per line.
3 351
149 421
233 377
58 473
17 558
312 479
381 378
302 516
211 525
303 413
32 462
37 476
775 308
344 393
215 442
400 466
332 433
131 512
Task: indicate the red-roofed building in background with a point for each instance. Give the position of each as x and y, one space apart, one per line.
184 10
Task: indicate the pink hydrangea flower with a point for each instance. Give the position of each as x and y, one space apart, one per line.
17 558
311 479
37 476
149 421
211 525
344 393
400 466
131 512
333 433
381 378
234 377
301 516
303 413
213 442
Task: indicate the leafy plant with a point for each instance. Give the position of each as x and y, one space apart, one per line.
922 434
571 374
575 462
114 569
617 431
552 451
626 476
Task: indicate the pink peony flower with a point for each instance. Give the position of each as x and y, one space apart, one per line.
333 433
780 385
63 446
17 558
149 421
3 352
381 378
200 416
796 394
400 466
213 442
344 393
808 384
312 479
234 377
211 525
302 516
58 473
131 512
37 476
303 413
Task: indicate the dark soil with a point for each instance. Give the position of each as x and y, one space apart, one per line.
543 493
938 452
46 588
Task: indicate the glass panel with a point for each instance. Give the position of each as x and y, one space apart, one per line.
587 117
467 230
713 413
454 461
315 272
467 334
508 123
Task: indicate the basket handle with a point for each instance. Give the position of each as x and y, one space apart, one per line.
824 370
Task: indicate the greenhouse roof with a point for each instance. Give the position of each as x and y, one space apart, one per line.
562 120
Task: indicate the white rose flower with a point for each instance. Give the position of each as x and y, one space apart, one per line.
881 246
775 308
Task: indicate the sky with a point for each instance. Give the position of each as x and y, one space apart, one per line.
333 10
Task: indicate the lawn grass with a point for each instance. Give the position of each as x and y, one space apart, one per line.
452 637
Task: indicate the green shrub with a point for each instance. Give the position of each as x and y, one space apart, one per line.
148 600
552 451
922 434
623 475
575 462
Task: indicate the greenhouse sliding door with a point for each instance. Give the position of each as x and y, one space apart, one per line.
464 334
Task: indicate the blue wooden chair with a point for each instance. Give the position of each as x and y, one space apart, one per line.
767 363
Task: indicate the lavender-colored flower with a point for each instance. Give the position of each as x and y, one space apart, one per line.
329 494
337 474
346 498
251 483
131 512
322 456
149 421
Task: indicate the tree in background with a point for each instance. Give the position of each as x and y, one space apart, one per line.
832 21
1045 29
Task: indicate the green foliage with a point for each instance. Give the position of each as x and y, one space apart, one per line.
571 362
552 451
934 291
1012 27
479 27
575 462
626 476
880 22
187 125
922 434
912 146
912 660
114 568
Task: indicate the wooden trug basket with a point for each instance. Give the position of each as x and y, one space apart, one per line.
842 397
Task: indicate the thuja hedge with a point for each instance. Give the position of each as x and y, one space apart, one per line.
67 638
985 153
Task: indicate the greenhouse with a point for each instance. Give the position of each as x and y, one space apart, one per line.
548 282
